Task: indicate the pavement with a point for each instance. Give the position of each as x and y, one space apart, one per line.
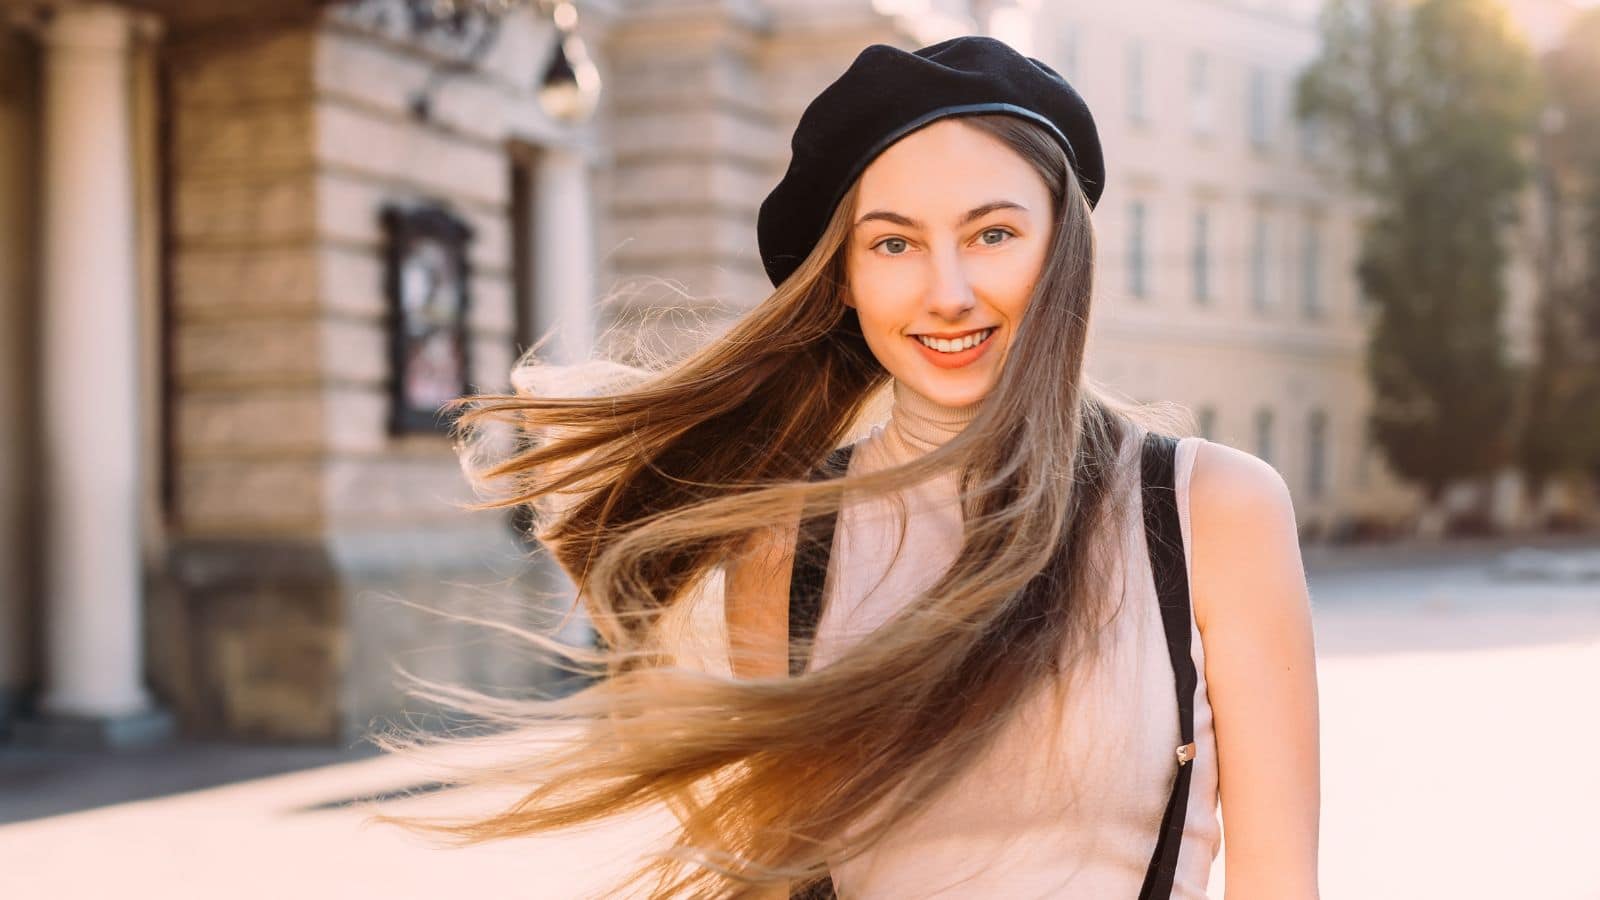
1458 740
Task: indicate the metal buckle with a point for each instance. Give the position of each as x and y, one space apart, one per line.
1186 753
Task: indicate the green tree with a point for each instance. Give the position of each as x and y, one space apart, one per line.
1431 103
1560 434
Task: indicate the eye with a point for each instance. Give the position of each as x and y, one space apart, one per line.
984 235
900 245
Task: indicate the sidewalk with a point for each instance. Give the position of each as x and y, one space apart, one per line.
1457 762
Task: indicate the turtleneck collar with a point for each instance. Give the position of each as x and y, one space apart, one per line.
922 423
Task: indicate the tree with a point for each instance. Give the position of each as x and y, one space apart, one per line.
1561 431
1432 102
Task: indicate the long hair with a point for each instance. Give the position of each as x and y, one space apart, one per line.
646 494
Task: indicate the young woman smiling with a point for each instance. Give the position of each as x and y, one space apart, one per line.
963 684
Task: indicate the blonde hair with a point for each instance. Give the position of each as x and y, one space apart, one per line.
644 495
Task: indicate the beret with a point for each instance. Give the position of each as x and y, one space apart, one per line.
887 93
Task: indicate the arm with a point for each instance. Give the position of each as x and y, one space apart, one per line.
1252 607
756 603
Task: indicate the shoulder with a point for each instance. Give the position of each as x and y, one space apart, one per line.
1244 542
1227 480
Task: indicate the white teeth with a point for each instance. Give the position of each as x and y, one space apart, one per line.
945 345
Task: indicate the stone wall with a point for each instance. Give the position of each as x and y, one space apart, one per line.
701 100
299 521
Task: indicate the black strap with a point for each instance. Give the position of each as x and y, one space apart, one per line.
813 547
1163 537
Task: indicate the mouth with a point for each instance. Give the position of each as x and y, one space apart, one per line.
955 344
953 351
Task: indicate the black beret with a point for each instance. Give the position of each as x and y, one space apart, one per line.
887 93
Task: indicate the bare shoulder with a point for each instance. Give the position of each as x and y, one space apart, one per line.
1246 546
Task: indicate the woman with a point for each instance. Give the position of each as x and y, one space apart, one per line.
987 710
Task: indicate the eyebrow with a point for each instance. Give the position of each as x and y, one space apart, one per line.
977 212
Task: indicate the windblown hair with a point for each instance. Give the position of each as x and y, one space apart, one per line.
646 494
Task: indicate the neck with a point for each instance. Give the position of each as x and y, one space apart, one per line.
921 423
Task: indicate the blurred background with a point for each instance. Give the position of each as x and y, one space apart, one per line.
247 248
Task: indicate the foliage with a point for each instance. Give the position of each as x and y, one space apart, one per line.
1433 103
1562 427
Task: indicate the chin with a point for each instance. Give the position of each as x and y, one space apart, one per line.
952 390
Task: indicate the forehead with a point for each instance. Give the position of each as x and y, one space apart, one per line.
966 165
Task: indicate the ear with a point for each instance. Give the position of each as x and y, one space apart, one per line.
848 300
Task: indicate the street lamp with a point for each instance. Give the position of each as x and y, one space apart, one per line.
570 86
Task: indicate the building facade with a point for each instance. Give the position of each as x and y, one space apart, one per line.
211 220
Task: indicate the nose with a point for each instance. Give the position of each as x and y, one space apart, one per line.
949 294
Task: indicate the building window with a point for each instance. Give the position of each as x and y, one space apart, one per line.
1311 144
1200 93
1138 255
1311 270
1208 422
1260 261
1317 453
1137 111
1260 126
1364 462
1067 52
1264 434
1202 255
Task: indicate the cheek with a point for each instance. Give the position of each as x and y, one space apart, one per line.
883 299
1005 285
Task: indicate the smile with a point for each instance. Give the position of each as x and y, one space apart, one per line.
954 345
954 352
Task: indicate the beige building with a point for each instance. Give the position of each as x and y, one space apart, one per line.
215 218
1228 241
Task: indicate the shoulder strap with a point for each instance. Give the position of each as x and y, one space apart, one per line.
812 549
1164 537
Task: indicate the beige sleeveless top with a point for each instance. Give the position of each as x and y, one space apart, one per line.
1068 800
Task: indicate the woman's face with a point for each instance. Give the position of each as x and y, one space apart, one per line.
950 233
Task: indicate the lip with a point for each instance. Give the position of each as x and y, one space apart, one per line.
954 360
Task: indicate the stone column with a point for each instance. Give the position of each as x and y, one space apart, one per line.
564 287
564 294
93 686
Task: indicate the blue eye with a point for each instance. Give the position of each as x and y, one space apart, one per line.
894 240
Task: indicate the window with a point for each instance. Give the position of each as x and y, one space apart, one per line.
1364 462
1137 110
1264 434
1311 270
1200 93
1260 259
1311 145
1317 453
1067 52
1260 124
1138 256
1202 255
1208 422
